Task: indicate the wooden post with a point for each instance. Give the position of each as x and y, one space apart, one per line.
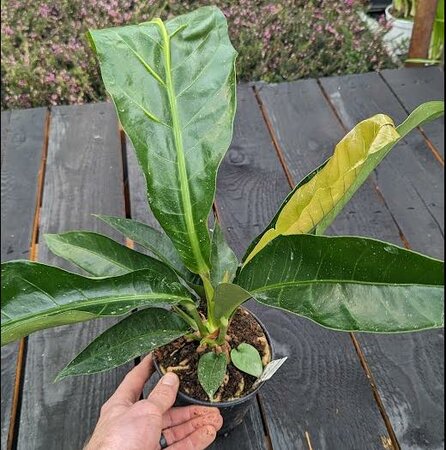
422 29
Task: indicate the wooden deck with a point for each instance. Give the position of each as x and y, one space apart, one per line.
336 391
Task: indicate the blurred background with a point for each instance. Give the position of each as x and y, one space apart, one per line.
46 59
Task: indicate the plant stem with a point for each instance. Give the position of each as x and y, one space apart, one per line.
192 310
186 317
209 290
223 330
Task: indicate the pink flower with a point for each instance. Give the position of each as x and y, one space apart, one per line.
8 31
50 78
44 10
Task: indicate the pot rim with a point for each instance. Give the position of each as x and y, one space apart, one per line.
234 402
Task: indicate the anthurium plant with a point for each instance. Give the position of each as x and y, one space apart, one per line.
174 87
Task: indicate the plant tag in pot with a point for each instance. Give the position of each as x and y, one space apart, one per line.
270 370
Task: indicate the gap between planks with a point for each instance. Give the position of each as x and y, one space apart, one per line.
266 434
356 345
428 142
21 353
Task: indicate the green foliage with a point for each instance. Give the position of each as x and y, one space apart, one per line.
175 100
180 133
211 372
437 39
224 263
404 9
348 283
137 334
99 255
247 359
46 59
316 201
153 240
36 296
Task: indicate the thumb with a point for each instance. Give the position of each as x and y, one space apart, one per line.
164 393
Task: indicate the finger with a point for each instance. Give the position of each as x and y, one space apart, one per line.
179 432
198 440
132 385
180 414
164 393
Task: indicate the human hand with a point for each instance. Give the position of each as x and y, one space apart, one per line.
127 423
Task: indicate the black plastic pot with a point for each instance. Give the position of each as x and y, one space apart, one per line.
234 411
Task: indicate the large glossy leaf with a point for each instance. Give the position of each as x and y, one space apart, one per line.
224 263
289 197
173 85
99 255
348 283
137 334
228 297
315 202
36 296
153 240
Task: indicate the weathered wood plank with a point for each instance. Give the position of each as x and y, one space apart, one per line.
251 431
6 132
83 176
410 178
415 86
408 369
322 388
22 139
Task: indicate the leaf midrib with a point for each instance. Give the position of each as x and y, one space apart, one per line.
284 284
101 256
185 192
95 302
149 335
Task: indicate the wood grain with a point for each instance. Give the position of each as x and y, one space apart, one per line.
410 178
415 86
322 388
83 176
408 369
6 132
22 138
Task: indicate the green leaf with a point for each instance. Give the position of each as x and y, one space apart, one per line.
247 359
422 114
173 85
348 283
211 372
228 297
153 240
137 334
99 255
315 203
224 263
272 224
36 296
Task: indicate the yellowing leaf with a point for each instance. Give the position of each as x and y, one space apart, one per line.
355 156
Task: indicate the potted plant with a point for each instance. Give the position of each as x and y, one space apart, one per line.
173 85
400 15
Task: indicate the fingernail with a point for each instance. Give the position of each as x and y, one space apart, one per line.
170 379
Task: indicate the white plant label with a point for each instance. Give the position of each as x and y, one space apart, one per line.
270 370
